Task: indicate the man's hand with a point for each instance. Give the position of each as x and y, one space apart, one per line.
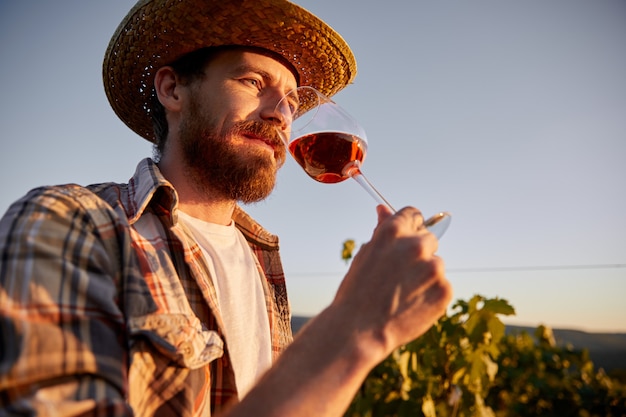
394 291
396 287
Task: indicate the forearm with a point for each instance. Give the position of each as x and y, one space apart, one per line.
393 293
318 375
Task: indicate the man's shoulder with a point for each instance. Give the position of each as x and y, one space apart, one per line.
82 195
57 210
70 200
62 194
123 200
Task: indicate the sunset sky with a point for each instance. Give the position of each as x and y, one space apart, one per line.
510 115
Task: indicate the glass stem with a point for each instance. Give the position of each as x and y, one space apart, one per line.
353 170
437 224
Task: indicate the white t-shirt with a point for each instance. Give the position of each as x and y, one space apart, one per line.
240 296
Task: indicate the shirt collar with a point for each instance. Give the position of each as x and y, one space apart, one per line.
148 187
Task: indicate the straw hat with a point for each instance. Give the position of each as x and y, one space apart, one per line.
157 32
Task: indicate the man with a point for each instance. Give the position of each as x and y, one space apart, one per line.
161 296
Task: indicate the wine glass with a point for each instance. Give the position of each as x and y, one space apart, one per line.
330 145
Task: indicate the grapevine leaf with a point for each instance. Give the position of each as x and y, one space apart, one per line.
497 329
456 377
499 306
403 363
428 407
477 366
476 327
348 248
414 362
482 410
473 303
491 368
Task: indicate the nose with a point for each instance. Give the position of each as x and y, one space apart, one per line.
278 114
278 111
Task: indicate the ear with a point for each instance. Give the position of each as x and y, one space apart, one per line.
167 87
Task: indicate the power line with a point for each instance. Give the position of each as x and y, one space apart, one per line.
485 269
537 268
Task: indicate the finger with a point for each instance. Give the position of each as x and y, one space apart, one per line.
383 212
411 219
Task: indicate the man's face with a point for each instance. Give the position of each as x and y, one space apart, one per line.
228 129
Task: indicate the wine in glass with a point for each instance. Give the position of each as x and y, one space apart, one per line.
330 145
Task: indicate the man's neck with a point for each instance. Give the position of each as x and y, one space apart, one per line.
218 212
204 205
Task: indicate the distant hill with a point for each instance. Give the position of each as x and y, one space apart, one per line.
606 350
297 322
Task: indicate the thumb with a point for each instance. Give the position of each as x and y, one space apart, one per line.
383 213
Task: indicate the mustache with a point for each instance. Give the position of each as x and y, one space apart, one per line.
262 130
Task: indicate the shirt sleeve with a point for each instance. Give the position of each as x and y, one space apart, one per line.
62 329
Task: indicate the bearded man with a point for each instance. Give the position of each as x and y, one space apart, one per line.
162 296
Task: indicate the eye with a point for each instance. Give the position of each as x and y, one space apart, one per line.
253 82
293 105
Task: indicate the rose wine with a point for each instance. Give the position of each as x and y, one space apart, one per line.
324 155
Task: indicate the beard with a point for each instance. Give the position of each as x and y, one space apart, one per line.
217 166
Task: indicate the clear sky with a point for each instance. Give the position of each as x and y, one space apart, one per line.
511 115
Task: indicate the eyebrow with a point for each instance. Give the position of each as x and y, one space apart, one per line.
242 69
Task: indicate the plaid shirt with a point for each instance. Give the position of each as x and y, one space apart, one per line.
107 308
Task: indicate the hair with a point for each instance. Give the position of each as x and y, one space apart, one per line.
189 68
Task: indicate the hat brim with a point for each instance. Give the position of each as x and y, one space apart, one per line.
157 32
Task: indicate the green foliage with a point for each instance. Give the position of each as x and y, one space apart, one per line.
348 249
448 371
465 365
538 378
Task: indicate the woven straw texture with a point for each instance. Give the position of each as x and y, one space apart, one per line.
157 32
